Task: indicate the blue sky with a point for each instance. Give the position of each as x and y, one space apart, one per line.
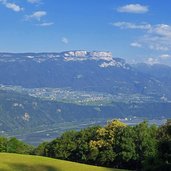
130 29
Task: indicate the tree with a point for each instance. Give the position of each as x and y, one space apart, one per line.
126 148
106 142
106 136
3 144
164 145
146 143
162 160
62 147
40 150
16 146
82 152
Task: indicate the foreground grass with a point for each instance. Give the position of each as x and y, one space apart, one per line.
16 162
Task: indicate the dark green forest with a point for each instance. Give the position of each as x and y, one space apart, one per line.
116 145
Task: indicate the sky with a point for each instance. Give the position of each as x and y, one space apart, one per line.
136 30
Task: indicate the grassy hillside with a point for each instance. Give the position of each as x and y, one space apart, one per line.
16 162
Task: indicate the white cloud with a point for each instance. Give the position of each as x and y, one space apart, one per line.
161 30
34 1
156 42
136 44
128 25
36 15
14 7
11 6
165 56
133 8
156 37
65 40
46 24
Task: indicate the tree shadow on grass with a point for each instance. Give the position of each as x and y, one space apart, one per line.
25 167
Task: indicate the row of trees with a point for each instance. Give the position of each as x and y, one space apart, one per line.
13 145
143 146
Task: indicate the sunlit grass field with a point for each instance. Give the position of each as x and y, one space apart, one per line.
16 162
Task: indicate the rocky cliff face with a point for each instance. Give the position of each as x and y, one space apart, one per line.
84 55
106 58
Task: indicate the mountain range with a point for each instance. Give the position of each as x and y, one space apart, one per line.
43 89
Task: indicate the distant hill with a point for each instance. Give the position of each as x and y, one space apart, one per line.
16 162
158 71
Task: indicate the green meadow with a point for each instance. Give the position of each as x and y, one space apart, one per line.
17 162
